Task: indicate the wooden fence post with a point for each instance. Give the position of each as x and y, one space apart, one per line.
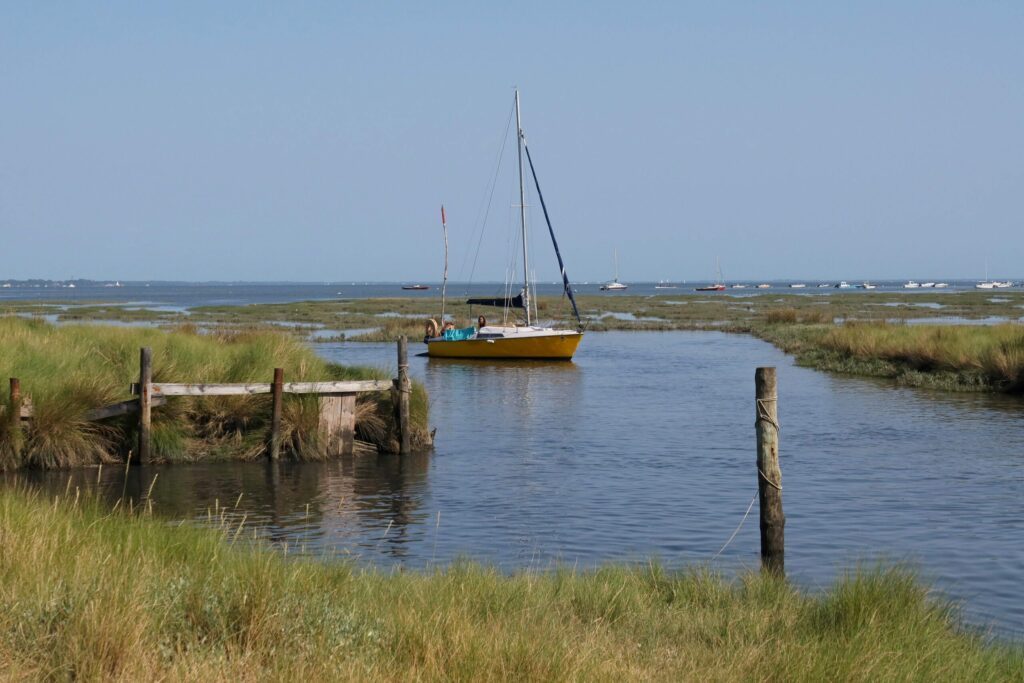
15 417
276 392
769 474
404 389
145 402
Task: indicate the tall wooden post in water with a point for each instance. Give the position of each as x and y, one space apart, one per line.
276 392
145 402
404 389
769 474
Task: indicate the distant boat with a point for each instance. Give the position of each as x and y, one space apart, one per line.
718 286
911 285
764 285
738 286
797 286
822 285
843 284
941 285
416 287
665 285
614 285
927 285
985 285
866 285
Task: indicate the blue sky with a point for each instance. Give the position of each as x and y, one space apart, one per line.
315 141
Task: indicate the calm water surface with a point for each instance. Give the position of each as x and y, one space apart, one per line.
644 447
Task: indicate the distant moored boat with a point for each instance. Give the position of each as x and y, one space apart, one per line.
416 287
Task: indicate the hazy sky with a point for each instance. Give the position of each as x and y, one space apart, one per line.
315 141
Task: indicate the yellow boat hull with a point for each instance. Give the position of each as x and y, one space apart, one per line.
548 347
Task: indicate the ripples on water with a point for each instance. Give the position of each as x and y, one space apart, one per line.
644 447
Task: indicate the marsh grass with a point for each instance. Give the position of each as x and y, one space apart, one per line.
964 357
69 370
90 594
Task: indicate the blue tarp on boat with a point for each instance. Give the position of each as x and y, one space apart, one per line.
459 335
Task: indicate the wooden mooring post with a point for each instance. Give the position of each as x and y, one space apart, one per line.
404 387
769 474
277 393
14 418
145 403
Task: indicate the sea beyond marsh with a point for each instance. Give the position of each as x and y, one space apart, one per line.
642 447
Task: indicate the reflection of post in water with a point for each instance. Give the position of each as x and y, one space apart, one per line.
385 493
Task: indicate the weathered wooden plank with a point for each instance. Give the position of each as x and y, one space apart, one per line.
339 387
122 408
338 423
210 389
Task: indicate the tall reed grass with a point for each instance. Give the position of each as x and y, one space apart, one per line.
992 354
89 594
68 370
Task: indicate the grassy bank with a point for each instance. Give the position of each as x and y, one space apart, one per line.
962 358
70 369
93 595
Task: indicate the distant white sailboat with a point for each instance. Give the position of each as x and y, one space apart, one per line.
614 285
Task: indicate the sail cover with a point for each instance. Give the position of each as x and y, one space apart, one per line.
551 231
502 302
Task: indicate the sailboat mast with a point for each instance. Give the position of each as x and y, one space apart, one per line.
444 281
522 214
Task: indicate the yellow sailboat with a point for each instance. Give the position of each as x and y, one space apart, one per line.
515 341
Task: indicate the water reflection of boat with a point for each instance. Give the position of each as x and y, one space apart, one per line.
513 340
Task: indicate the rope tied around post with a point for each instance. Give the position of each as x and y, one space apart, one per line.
764 414
767 480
